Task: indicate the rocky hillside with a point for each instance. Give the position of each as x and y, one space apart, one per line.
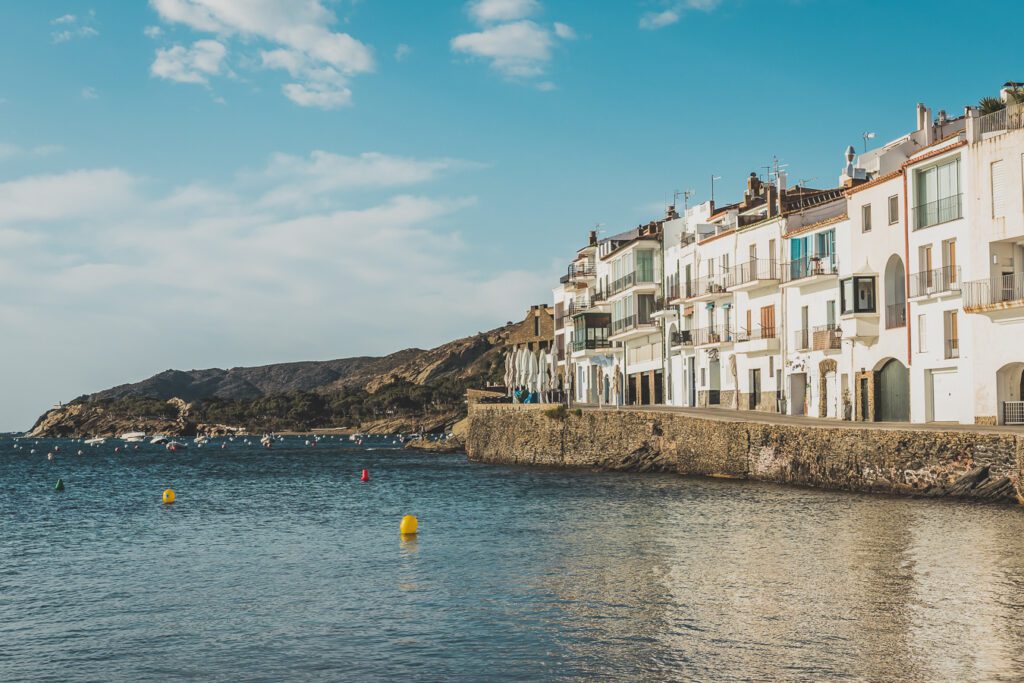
405 391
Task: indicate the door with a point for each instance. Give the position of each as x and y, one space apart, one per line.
594 386
755 389
797 393
691 373
768 322
864 399
659 387
715 382
831 395
944 402
893 402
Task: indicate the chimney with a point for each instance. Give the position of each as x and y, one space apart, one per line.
593 237
922 117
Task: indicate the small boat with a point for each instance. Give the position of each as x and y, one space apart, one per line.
158 439
201 439
266 441
176 446
95 441
356 437
133 437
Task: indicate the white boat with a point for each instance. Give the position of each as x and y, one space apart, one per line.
133 437
95 441
356 437
158 439
176 446
201 439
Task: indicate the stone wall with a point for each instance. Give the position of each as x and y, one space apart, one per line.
905 461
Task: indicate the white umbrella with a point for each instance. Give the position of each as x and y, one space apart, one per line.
532 372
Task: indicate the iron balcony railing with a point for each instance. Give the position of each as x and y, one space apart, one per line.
809 266
802 340
682 338
687 238
952 347
1009 118
578 306
720 334
672 290
895 316
937 281
631 322
1002 289
590 344
827 337
582 269
1013 412
753 271
598 295
709 284
939 211
755 334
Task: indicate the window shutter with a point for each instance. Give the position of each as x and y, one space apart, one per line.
998 190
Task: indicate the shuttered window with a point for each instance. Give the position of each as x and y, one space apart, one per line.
894 209
998 190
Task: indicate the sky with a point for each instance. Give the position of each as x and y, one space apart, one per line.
219 183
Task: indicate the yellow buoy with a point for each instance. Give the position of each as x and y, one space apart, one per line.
409 525
168 496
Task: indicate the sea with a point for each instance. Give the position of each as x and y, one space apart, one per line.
281 565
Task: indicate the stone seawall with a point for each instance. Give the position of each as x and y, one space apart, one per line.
967 464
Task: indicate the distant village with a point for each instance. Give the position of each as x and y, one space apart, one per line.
897 295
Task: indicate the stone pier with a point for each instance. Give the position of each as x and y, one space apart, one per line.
923 462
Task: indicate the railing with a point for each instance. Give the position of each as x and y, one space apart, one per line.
1013 412
597 296
940 211
1002 289
753 335
687 238
895 316
622 283
752 271
709 284
937 281
809 266
713 335
682 338
664 304
827 337
672 291
578 306
584 269
952 347
631 322
802 340
591 344
1009 118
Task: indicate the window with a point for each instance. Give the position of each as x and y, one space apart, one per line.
949 261
922 329
703 377
894 209
830 312
771 365
858 295
865 218
938 194
998 190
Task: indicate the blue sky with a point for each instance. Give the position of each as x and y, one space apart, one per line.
201 183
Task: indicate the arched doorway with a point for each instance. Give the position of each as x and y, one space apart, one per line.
893 396
895 293
1010 393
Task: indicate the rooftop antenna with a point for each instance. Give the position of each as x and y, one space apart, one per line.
867 135
803 186
686 198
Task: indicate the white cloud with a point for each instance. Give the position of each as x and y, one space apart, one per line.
516 47
98 252
488 11
674 12
546 86
90 93
323 59
9 151
189 65
74 27
153 32
402 51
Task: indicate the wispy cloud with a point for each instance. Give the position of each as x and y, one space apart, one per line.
153 32
194 64
11 151
90 93
293 35
516 45
70 26
402 51
673 11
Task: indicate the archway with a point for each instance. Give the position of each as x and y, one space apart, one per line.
1010 393
893 392
828 389
895 293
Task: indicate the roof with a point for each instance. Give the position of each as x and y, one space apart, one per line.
811 227
874 181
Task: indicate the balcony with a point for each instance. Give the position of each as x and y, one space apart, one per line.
951 348
809 269
672 290
895 316
761 340
944 280
753 274
940 211
827 338
802 340
582 271
590 345
636 323
999 293
708 288
682 338
713 336
1009 118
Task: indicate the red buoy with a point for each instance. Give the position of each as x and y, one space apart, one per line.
366 476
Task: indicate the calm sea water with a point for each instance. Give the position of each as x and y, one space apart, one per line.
281 565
